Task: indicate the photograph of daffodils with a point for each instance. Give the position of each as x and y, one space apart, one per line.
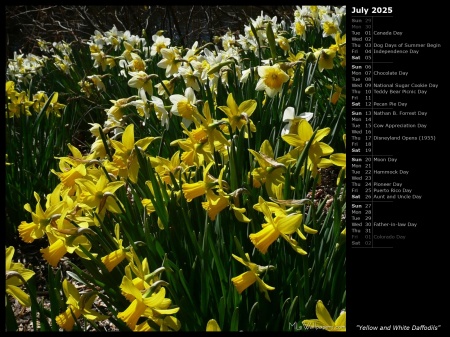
180 188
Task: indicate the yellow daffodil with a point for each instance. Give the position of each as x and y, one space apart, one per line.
215 203
340 47
212 326
340 159
278 208
125 157
283 42
196 149
325 58
317 149
53 253
246 279
271 79
10 91
150 304
147 203
65 238
78 305
147 283
36 229
72 168
39 100
324 320
116 111
54 106
238 116
270 172
139 272
99 195
168 168
337 93
281 225
194 190
17 275
115 257
207 129
19 105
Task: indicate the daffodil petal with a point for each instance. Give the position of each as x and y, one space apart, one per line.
321 134
288 224
19 294
212 325
248 107
128 287
243 281
339 159
341 321
323 315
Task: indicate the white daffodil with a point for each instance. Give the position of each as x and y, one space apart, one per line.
292 120
161 111
271 79
159 42
170 60
142 82
184 106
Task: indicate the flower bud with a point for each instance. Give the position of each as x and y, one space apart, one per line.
310 90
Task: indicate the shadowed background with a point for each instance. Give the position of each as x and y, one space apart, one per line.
182 24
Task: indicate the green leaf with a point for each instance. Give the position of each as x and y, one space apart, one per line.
271 40
185 286
41 114
234 324
291 314
239 249
252 315
303 157
55 300
222 307
10 319
36 307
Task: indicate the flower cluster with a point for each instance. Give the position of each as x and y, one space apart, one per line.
198 129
